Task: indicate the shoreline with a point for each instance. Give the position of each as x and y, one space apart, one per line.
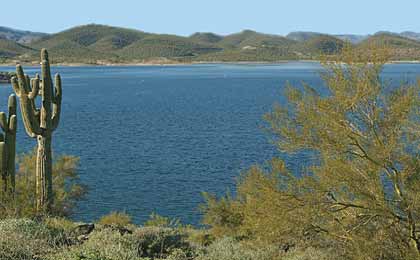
134 64
139 64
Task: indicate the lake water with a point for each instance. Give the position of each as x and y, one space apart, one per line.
153 138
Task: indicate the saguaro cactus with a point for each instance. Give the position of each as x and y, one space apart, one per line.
40 123
8 145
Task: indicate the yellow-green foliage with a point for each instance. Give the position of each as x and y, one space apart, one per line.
200 237
160 242
119 219
157 220
26 239
67 189
361 194
104 244
230 249
53 239
224 215
142 243
60 223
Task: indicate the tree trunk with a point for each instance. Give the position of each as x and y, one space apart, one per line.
44 173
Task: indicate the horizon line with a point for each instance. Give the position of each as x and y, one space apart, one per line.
219 34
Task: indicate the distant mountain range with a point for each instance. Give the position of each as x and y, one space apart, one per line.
20 36
304 36
100 44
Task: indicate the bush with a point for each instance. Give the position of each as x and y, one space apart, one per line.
157 242
311 253
52 239
200 237
66 187
117 219
66 226
26 239
101 245
231 249
224 216
143 243
156 220
178 254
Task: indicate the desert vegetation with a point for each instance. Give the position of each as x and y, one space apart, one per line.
100 44
357 199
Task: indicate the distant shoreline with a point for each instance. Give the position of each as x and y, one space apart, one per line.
69 64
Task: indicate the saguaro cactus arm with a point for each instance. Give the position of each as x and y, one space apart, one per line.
3 122
46 91
8 123
34 93
35 88
27 105
13 123
11 105
56 102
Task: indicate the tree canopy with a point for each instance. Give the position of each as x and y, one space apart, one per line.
361 194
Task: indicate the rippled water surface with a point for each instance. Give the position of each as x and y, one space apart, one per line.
152 138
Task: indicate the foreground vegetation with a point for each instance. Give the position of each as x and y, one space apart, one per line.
356 198
60 239
358 194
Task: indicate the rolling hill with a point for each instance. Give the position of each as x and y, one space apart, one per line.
411 35
306 36
253 46
401 48
20 36
302 36
11 49
321 44
101 44
352 38
206 37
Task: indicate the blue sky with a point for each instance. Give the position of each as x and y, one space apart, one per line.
185 17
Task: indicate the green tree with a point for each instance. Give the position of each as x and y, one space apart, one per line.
361 194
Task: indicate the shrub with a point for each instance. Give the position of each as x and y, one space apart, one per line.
157 242
66 185
117 219
310 253
178 254
26 239
143 243
101 245
60 223
231 249
157 220
200 237
224 215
